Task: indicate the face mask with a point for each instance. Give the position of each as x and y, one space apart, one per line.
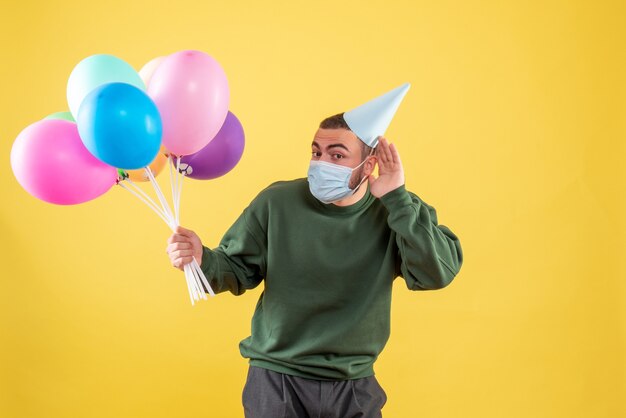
331 182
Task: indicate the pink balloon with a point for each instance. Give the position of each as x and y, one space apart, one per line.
191 92
50 161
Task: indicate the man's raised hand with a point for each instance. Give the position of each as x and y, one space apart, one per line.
390 171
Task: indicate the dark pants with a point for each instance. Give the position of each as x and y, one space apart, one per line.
269 394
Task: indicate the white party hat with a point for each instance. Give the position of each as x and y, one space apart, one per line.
371 119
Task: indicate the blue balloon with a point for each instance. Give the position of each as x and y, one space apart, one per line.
120 125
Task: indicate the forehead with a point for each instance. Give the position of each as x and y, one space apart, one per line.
326 137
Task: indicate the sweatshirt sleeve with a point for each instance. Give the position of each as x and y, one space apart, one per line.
238 263
430 255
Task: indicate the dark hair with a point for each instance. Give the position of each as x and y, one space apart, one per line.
338 122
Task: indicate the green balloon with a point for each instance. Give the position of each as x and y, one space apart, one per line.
61 115
121 174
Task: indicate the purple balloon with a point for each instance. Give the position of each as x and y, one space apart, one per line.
220 155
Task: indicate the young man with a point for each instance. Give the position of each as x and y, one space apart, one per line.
328 247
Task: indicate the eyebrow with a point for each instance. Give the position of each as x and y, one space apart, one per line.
332 146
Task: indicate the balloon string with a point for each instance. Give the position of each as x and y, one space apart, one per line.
196 286
148 198
172 181
157 189
165 203
196 267
158 192
196 282
193 273
179 188
191 292
189 273
197 279
154 208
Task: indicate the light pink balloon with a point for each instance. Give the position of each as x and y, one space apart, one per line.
147 71
191 92
50 161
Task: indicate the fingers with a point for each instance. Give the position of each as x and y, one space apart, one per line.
383 152
174 238
379 149
185 232
178 254
181 257
394 154
387 154
180 263
175 246
182 235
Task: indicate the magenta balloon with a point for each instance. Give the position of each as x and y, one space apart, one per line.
191 92
220 155
50 161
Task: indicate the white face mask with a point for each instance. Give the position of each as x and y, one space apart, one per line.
331 182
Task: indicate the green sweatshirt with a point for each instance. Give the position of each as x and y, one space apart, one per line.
325 309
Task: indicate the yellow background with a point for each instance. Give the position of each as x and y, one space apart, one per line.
514 130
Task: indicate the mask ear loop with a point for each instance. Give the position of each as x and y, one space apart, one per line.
364 178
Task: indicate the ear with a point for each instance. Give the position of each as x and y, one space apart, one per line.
370 164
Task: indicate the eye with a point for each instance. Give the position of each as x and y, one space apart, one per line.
337 156
316 154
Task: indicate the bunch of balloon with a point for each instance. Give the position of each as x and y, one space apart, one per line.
123 127
188 91
120 125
